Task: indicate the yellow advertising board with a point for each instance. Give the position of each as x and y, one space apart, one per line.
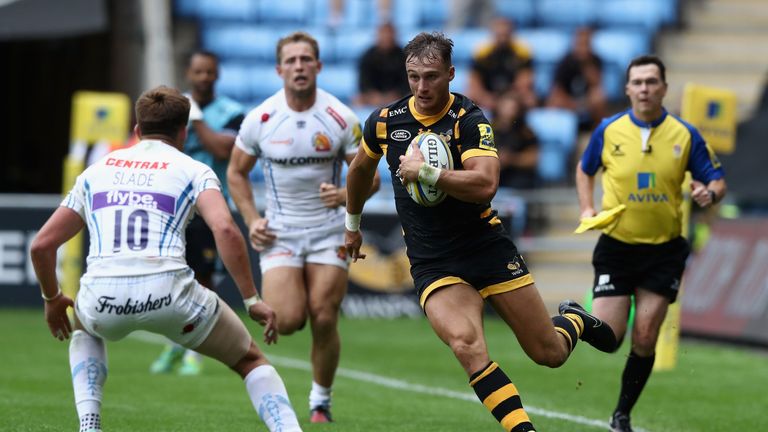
713 112
95 117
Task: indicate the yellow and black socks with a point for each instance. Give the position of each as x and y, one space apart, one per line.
636 373
499 395
569 325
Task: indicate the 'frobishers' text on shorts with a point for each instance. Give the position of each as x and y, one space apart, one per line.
171 303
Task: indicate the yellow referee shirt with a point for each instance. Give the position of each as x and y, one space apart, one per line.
644 165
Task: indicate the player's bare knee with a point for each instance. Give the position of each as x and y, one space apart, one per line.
466 348
324 320
290 322
644 339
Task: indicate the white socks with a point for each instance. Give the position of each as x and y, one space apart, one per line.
269 397
319 396
88 363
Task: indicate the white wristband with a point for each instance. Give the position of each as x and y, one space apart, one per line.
428 174
52 298
352 222
250 301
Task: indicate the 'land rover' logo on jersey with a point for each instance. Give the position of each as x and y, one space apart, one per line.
400 135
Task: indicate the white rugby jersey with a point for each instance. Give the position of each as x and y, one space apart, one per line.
298 152
137 203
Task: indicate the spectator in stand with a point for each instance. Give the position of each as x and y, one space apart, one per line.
470 13
336 12
578 81
500 65
517 144
382 75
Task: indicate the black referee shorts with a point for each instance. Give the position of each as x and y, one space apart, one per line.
620 268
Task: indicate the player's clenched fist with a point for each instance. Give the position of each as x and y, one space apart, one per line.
259 234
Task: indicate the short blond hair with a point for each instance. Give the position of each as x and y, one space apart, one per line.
298 36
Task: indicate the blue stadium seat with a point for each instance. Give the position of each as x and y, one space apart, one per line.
264 81
284 12
350 44
234 80
648 15
236 10
460 80
466 41
543 75
522 12
548 45
566 13
240 41
613 81
433 13
406 15
362 112
557 131
339 80
620 46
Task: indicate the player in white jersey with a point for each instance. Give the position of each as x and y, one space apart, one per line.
136 203
213 123
302 135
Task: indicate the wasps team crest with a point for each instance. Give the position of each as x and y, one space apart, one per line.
321 142
486 137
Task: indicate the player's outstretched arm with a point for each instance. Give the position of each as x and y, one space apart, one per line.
62 226
231 247
240 166
360 181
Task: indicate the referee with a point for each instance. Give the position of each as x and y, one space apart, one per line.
643 153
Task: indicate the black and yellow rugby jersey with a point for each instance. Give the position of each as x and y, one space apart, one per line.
452 225
644 166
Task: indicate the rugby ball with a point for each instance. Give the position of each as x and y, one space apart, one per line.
437 154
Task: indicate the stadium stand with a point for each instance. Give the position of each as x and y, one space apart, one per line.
557 131
244 34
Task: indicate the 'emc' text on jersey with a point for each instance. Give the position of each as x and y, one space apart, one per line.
644 167
453 225
298 152
136 203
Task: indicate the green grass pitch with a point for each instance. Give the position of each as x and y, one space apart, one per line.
395 375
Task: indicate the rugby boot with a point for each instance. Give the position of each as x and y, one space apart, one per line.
320 414
168 359
596 332
620 422
191 365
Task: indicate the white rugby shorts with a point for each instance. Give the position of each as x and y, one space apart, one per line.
296 246
171 303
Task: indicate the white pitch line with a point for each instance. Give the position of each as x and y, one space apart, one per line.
403 385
